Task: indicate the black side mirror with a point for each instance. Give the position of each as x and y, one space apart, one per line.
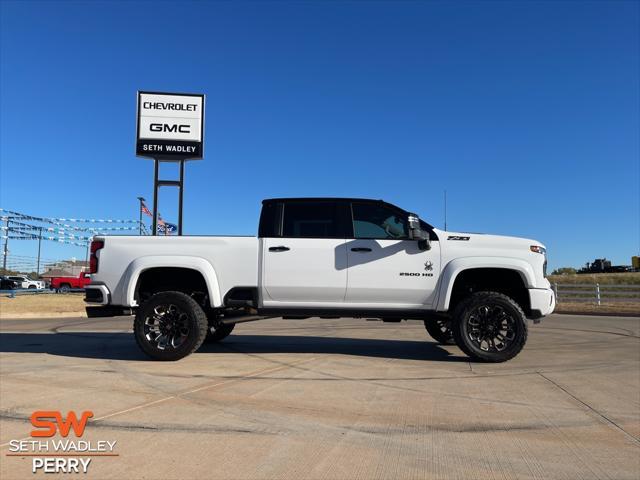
416 233
424 244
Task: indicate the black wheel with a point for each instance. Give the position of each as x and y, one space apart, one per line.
64 288
32 287
218 333
440 330
170 326
489 326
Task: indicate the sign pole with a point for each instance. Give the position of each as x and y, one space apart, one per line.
180 198
155 197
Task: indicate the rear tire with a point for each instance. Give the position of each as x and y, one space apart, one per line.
490 327
440 330
216 334
64 288
169 326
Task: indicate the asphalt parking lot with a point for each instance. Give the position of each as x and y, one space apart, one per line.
333 399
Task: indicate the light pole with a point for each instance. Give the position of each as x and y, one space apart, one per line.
141 199
39 244
6 249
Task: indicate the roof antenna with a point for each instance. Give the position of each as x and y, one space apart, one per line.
445 210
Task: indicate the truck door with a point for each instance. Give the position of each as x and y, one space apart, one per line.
386 268
305 262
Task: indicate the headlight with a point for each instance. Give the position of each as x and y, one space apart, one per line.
538 249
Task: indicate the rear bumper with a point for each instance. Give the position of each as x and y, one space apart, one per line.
97 294
542 301
98 297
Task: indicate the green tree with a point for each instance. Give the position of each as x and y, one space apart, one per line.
564 271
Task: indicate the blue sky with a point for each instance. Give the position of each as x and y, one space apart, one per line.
526 112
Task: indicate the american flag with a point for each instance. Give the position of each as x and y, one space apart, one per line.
145 210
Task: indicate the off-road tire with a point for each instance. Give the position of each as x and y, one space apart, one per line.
463 331
216 334
191 315
440 329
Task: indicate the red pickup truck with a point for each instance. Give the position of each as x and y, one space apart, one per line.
65 284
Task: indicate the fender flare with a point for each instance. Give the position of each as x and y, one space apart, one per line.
142 264
451 271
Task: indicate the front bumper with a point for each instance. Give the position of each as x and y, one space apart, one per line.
542 302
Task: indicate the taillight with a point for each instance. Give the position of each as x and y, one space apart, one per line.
93 260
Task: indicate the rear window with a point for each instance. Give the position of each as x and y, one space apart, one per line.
310 220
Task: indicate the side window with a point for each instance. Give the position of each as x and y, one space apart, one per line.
310 220
375 221
270 219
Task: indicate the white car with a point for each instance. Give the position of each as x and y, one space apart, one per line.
319 257
26 282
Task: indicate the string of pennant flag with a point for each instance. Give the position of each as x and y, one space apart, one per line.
63 230
21 226
73 220
53 239
27 231
79 232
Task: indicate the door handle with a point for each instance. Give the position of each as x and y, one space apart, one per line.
279 249
360 249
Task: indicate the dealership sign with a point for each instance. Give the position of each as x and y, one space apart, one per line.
170 125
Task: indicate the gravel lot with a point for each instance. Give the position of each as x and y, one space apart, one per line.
333 399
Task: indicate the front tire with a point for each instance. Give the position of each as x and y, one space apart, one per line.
440 330
169 326
490 327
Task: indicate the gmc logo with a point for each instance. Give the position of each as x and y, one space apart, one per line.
163 127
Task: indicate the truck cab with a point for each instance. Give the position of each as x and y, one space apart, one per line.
345 253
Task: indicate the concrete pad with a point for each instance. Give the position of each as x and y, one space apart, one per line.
333 399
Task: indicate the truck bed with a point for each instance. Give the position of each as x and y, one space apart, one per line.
234 260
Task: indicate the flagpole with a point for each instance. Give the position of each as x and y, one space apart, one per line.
141 200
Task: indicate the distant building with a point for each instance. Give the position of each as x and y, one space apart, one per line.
65 268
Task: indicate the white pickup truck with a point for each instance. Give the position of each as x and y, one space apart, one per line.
324 257
26 282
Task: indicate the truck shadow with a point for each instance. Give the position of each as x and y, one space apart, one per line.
121 346
362 347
